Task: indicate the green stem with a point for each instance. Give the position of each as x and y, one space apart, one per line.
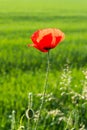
44 92
29 127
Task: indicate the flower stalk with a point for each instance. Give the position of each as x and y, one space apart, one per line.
13 120
29 112
44 92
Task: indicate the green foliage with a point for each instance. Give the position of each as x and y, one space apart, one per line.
22 69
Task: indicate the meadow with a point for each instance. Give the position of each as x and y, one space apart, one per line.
23 69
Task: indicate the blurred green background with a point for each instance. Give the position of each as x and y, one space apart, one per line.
22 69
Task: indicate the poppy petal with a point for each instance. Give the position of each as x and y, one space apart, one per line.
39 48
45 42
35 36
46 39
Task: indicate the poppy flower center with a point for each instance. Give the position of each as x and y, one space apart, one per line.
47 48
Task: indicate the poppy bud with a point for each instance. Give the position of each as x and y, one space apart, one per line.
29 113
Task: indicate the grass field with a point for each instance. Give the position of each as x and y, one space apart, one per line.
22 69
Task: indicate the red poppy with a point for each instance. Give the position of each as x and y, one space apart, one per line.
46 39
